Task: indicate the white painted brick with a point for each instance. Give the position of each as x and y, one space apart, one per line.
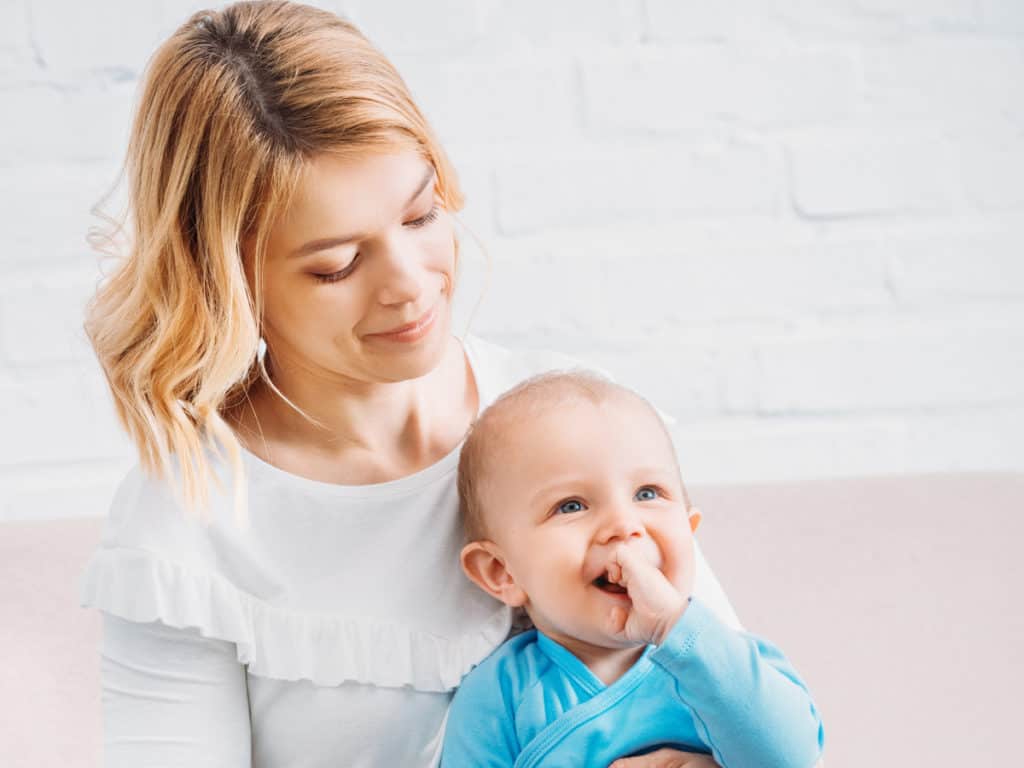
601 184
174 13
681 287
870 175
690 91
622 159
777 450
49 123
396 26
639 283
41 315
967 440
896 370
737 374
540 23
57 414
477 96
679 378
1003 16
689 20
541 290
53 203
747 450
970 266
993 175
115 34
15 38
966 82
760 20
924 14
474 165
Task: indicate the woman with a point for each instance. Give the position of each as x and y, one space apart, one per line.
278 345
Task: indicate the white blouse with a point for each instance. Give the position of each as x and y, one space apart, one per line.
331 632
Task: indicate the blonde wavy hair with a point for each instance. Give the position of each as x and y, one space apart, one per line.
233 107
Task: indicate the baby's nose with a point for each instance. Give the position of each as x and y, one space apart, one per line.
621 525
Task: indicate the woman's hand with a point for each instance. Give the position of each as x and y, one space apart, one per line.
670 758
666 758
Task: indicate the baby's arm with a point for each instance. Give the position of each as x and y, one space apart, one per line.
480 731
748 703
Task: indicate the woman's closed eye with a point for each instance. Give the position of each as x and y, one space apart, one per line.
340 274
427 218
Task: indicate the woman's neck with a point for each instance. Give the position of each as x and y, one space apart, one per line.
368 432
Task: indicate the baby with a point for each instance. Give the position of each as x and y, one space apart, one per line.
575 510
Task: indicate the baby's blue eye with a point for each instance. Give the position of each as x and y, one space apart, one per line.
647 493
567 507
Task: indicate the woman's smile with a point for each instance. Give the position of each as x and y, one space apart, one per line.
410 332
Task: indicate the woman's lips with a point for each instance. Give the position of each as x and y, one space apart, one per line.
411 331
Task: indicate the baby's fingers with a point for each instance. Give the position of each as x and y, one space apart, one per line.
629 564
615 571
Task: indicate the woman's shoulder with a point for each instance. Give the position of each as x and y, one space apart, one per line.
280 589
151 512
160 555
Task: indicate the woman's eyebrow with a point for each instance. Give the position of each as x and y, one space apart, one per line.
329 242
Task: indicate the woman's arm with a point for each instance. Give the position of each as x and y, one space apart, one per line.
171 697
707 587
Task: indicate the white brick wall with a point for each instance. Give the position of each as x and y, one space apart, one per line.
796 224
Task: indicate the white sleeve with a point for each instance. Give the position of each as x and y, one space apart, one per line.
708 589
171 698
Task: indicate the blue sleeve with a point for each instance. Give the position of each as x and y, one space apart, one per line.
749 705
480 731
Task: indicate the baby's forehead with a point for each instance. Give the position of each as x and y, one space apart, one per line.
534 416
553 400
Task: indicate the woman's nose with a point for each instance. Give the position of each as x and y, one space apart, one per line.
400 277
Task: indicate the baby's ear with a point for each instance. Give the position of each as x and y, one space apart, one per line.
485 566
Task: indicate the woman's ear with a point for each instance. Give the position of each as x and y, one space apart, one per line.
695 518
484 564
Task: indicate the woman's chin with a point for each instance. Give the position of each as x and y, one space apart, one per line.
403 359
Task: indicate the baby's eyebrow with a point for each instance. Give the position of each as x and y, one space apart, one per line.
562 485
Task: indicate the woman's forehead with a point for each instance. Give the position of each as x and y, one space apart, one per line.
341 197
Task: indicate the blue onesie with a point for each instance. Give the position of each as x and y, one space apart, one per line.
708 688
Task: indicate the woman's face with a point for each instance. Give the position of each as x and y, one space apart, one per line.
359 271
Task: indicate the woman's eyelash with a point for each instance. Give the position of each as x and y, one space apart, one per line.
341 274
334 277
422 221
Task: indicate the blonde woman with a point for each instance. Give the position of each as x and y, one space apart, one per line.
279 580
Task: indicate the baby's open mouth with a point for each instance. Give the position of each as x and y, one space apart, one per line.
602 583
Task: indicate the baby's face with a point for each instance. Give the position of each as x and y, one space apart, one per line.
564 490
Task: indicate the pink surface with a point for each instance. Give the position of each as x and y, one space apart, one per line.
896 599
892 596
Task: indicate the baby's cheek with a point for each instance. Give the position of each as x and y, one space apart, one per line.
679 562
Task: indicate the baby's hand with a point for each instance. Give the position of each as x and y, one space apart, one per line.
656 603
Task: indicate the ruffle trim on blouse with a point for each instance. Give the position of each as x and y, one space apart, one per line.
274 642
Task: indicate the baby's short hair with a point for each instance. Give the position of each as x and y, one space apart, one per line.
524 400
